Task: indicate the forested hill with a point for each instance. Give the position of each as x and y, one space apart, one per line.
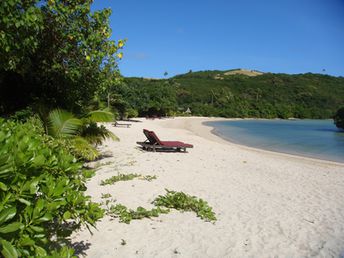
237 93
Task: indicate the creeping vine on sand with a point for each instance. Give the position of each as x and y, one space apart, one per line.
126 177
171 200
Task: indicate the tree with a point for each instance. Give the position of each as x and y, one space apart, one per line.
64 61
20 23
339 118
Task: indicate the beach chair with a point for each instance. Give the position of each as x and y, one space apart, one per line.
119 124
154 143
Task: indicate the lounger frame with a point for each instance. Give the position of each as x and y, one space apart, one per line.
154 143
146 145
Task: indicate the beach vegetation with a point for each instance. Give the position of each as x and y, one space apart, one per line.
224 94
62 66
81 134
126 177
126 215
42 189
339 118
106 196
184 202
164 203
45 70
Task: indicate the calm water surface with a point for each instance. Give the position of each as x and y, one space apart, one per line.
312 138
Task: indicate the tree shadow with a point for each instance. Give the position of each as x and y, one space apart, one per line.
60 236
80 247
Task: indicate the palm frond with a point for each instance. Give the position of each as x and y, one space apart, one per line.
63 124
81 148
95 134
100 116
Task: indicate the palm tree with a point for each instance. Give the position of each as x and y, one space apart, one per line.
81 133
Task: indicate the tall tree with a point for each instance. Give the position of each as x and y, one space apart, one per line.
20 25
68 58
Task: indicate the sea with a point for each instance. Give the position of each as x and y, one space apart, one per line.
319 139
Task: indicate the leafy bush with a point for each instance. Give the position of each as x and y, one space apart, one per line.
80 148
23 115
80 135
339 118
130 113
41 189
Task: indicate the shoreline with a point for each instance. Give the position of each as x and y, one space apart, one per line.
267 204
211 135
296 155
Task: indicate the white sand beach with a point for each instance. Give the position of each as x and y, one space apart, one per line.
267 204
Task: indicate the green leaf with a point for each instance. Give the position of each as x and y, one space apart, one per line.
39 206
11 227
63 123
24 201
38 161
40 251
7 214
8 250
3 186
100 116
26 241
33 186
45 218
67 215
37 229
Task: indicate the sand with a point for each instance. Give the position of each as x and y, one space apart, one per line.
267 204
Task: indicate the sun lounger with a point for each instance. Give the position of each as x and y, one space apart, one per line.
154 143
119 124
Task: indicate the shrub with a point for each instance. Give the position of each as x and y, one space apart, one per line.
130 113
339 118
41 189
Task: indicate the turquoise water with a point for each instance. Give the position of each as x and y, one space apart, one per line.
311 138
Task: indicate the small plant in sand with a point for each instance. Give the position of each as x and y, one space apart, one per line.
148 178
99 165
127 215
120 177
126 177
106 196
184 202
171 200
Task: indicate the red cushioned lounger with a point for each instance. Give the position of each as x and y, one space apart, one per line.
153 143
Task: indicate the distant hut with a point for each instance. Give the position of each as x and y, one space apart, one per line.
188 112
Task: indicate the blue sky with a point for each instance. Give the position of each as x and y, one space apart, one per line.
282 36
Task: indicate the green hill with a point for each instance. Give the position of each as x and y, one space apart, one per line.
237 93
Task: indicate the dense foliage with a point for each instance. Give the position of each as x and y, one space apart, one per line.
339 118
41 192
56 53
142 97
217 93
